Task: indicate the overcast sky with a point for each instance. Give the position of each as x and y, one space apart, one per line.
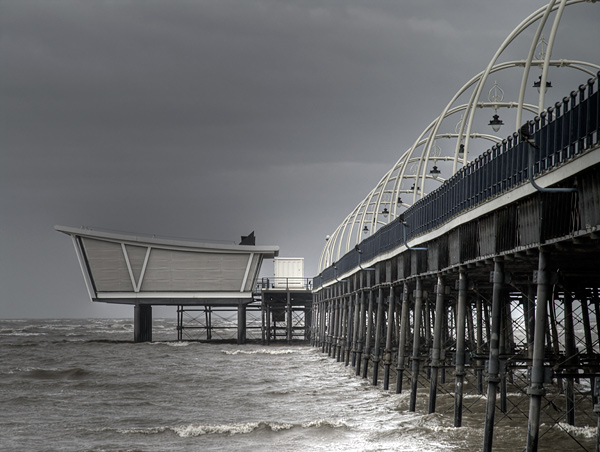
209 119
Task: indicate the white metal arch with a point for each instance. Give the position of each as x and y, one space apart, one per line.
413 165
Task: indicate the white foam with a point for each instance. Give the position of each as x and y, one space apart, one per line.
586 432
258 352
186 431
194 430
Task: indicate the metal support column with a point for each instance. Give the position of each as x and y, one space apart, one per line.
290 320
142 323
536 390
401 361
387 353
570 352
369 322
479 308
460 347
349 330
494 359
355 332
437 342
378 330
361 332
241 339
340 326
416 344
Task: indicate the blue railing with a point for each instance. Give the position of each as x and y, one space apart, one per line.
560 133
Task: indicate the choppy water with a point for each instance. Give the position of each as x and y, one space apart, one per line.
82 385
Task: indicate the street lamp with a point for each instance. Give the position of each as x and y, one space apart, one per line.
496 123
538 84
497 96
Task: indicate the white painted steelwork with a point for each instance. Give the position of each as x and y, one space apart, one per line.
414 176
121 267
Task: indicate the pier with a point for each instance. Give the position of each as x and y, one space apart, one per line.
484 283
487 280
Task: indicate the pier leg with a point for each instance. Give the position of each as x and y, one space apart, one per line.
263 309
437 343
427 315
367 349
179 323
416 345
570 352
268 318
340 329
460 348
536 390
241 324
387 356
332 327
349 330
355 333
290 320
529 308
309 314
208 322
494 361
401 361
142 323
479 308
361 334
589 344
378 330
597 410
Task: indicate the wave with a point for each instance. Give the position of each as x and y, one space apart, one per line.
258 352
20 333
586 432
75 373
171 343
194 430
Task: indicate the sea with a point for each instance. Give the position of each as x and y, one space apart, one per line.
84 385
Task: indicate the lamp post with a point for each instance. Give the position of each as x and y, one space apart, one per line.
495 95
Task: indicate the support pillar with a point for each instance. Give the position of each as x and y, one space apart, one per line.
401 361
355 333
349 330
416 344
268 324
367 349
340 328
378 330
387 353
290 320
241 323
142 323
361 333
460 348
437 343
494 359
536 389
479 308
570 353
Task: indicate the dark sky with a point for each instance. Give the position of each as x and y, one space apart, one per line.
211 119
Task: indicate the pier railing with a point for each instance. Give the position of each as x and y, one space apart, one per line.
284 283
560 133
